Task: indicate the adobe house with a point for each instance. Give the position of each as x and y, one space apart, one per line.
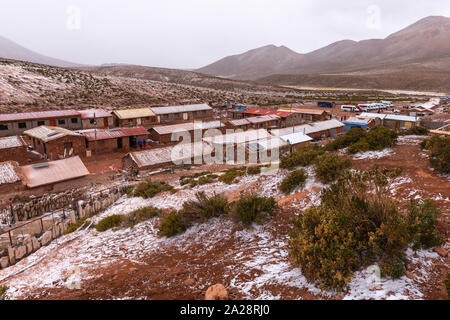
96 118
112 140
183 113
287 118
17 123
56 143
393 121
14 148
163 134
309 115
296 140
258 122
134 117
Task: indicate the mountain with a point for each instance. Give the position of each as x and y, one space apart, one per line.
11 50
422 42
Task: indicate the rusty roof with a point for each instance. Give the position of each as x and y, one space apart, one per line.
263 112
53 172
303 110
11 142
134 113
48 133
94 113
105 134
9 117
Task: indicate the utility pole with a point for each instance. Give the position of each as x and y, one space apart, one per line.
95 133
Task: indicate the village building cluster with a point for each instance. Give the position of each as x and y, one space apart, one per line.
47 147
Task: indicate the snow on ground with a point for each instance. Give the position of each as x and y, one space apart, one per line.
410 140
8 173
400 289
373 154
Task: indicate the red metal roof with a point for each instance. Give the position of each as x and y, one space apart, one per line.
99 113
8 117
104 134
282 114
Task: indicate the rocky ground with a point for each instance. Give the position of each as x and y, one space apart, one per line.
251 263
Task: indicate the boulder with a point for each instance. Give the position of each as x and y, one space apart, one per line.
46 238
11 255
36 244
20 252
216 292
28 245
4 262
189 282
441 251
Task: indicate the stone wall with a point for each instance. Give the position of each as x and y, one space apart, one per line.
82 209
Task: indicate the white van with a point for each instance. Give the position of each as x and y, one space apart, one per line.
349 108
364 107
388 104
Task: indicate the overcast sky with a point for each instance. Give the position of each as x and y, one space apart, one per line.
194 33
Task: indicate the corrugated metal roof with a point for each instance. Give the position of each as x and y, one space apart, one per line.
239 122
178 109
310 127
47 133
105 134
388 116
11 142
187 126
169 154
56 171
303 110
357 120
238 137
259 119
8 117
259 111
134 113
9 172
295 138
94 113
266 144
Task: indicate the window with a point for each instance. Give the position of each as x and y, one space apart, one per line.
61 121
22 125
165 116
67 145
3 127
40 123
74 120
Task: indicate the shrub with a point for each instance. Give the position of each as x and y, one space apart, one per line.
360 146
230 175
203 208
351 136
108 222
422 220
357 224
133 218
252 208
329 167
75 226
296 179
3 290
417 130
379 138
149 189
254 170
303 157
171 225
439 152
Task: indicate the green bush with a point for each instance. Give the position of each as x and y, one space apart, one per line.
203 208
303 157
329 167
3 290
252 208
149 189
439 152
133 218
295 179
360 146
230 175
353 135
379 138
254 170
358 224
171 225
422 220
417 130
75 226
108 222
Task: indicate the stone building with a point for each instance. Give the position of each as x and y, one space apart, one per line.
134 117
183 113
17 123
56 143
163 134
96 118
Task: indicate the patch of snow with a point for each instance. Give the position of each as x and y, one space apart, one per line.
373 154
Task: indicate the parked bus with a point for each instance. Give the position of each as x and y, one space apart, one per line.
350 108
326 104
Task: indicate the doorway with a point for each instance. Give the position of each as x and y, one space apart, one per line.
119 143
